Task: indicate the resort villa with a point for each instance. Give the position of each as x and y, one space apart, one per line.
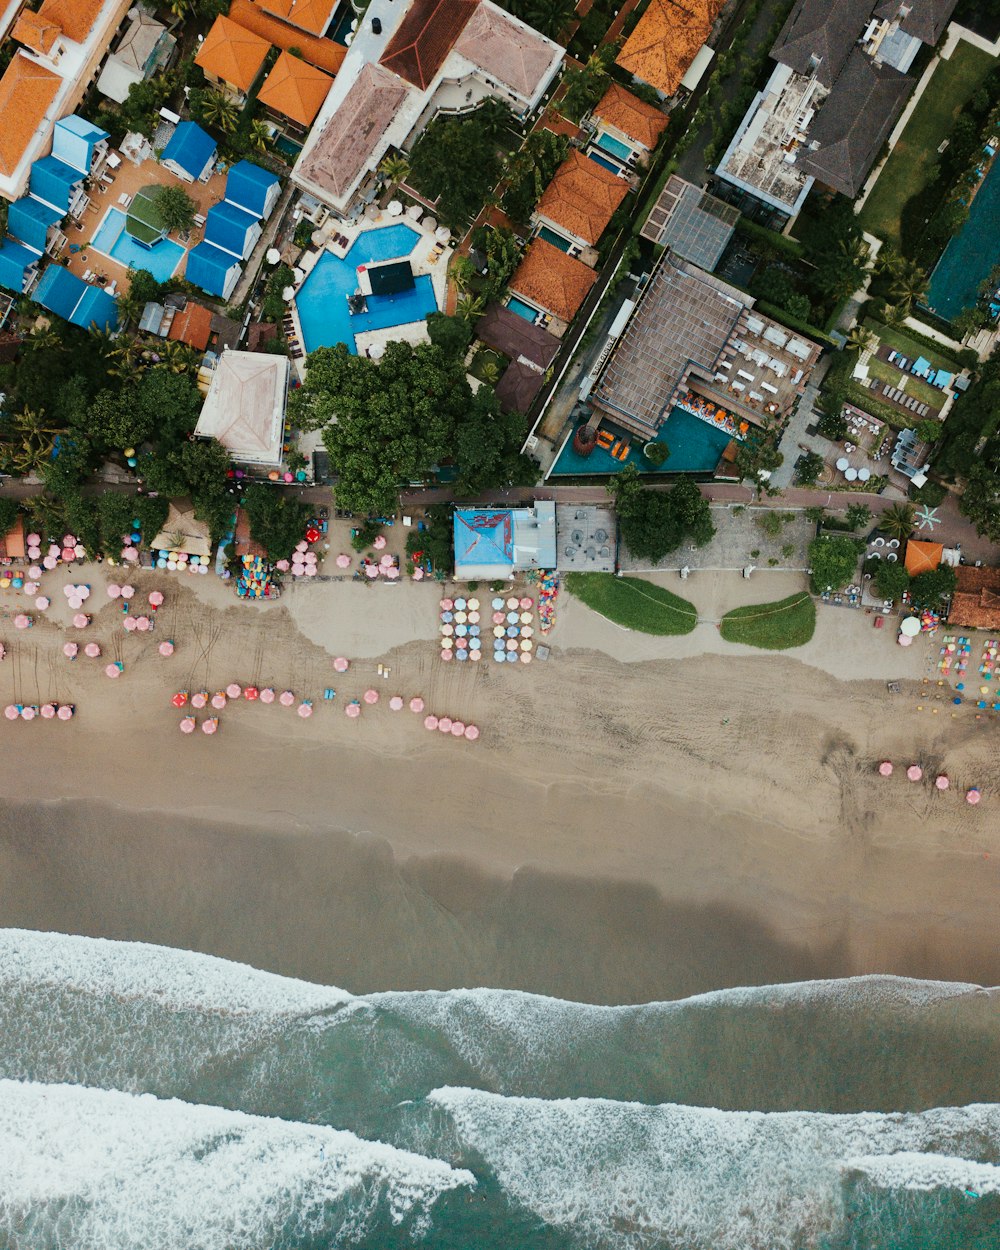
495 543
578 204
529 348
232 58
232 228
406 62
838 87
190 153
549 286
667 48
144 49
245 407
293 92
625 128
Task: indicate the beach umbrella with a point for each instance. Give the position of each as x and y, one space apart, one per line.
460 604
70 649
11 712
526 631
130 554
379 542
430 722
914 772
447 617
65 712
47 711
251 694
385 561
113 671
127 592
54 549
341 664
498 618
155 598
447 654
513 618
49 562
234 690
130 624
473 618
473 605
447 605
92 650
211 725
35 572
525 657
972 796
218 700
166 648
885 768
69 540
472 732
343 561
396 703
180 698
33 539
28 713
83 592
416 704
42 602
447 630
498 631
68 554
199 698
187 725
527 602
371 696
457 728
311 570
526 644
286 698
496 604
513 602
444 724
267 695
305 709
22 621
114 590
30 588
81 621
371 570
418 574
942 782
75 604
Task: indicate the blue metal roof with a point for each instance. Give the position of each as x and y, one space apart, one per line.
52 180
190 148
14 262
484 536
209 267
74 139
96 307
29 219
68 296
229 227
247 185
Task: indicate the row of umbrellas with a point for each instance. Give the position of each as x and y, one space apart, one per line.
235 691
70 550
189 724
47 711
444 724
941 782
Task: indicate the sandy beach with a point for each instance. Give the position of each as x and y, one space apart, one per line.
641 818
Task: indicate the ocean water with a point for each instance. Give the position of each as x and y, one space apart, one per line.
151 1097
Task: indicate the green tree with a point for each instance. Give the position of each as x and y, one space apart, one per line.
808 467
656 522
656 452
857 516
117 422
115 513
176 208
9 508
216 109
980 501
891 580
142 286
909 282
488 447
169 402
584 85
451 334
833 562
861 339
932 588
503 252
258 135
758 454
141 109
26 442
395 168
530 170
457 163
929 431
470 308
897 521
551 17
277 521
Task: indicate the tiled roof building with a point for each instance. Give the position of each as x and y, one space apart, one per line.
582 197
552 280
310 15
295 89
323 53
26 92
505 49
426 35
232 53
631 116
666 40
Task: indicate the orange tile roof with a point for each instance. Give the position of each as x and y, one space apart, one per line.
295 89
553 280
75 18
976 601
36 32
26 91
922 557
323 53
232 53
666 40
632 116
428 32
193 326
582 197
12 543
311 15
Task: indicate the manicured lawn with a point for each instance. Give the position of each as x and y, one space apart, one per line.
907 170
906 382
911 347
633 603
774 626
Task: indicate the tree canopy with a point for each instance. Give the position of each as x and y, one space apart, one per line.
656 522
833 561
277 522
458 160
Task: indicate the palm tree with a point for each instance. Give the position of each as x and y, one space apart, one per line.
124 358
177 357
470 307
29 443
219 111
259 137
861 339
491 372
909 282
395 168
462 273
897 521
44 338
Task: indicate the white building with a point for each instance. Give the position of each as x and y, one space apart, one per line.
245 407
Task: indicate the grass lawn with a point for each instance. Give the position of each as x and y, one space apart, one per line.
912 347
916 387
633 603
908 168
774 626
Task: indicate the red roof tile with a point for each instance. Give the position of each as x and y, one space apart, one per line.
424 38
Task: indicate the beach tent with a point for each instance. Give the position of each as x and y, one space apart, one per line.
214 270
252 189
922 557
190 153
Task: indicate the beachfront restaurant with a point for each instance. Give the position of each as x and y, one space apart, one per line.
494 544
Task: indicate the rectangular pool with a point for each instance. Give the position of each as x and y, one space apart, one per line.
695 447
111 239
522 309
970 255
556 240
603 160
615 146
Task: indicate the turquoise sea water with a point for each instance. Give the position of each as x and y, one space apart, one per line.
154 1098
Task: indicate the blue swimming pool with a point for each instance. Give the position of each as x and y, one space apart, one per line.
695 447
970 255
522 309
161 260
615 146
603 160
556 240
322 301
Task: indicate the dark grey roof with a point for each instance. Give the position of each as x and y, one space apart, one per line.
854 122
513 336
819 34
924 19
518 387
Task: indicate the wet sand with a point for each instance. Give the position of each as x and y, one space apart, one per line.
640 819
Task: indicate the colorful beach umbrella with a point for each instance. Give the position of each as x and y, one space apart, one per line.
47 711
371 696
42 602
340 664
286 698
444 724
11 712
343 561
942 782
972 796
70 650
379 542
81 621
130 625
28 713
267 695
234 690
416 704
885 768
92 650
187 725
22 621
219 700
211 725
166 648
914 772
199 699
430 722
305 709
113 671
65 712
472 732
353 710
180 698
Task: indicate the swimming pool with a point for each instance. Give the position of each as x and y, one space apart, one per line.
615 146
970 255
695 447
603 160
522 309
322 301
556 240
161 260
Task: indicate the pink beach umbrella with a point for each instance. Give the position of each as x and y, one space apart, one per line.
371 570
42 602
69 540
35 571
64 712
130 624
885 768
11 712
199 699
211 725
385 561
47 711
34 551
472 732
446 654
418 574
343 561
49 562
114 590
302 545
69 650
22 621
187 725
353 710
75 604
54 550
83 592
416 704
33 539
430 722
282 566
447 605
127 592
311 570
218 700
267 695
166 648
142 623
340 664
113 671
28 713
379 542
527 603
942 782
972 796
444 724
396 703
457 728
914 772
68 554
130 554
371 696
81 621
234 690
30 588
92 650
286 698
155 598
392 573
305 709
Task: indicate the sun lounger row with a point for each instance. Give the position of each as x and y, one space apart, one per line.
905 401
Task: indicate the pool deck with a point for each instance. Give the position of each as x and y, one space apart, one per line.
428 258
